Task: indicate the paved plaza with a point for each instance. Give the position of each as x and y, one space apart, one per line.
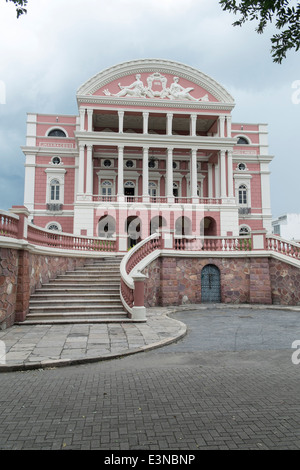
226 382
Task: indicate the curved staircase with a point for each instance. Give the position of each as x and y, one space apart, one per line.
90 294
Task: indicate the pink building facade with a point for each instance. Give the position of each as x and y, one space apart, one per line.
153 146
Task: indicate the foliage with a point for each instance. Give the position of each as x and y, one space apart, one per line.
286 17
20 6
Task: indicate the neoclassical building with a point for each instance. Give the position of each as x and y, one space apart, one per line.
153 145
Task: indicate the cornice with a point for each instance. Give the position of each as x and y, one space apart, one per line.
136 140
158 103
50 151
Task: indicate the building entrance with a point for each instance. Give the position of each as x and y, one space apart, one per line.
210 284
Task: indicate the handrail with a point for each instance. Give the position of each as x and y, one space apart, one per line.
39 236
126 266
130 260
8 224
285 247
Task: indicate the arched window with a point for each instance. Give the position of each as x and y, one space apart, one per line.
244 230
106 188
242 141
53 226
54 190
243 199
152 189
57 133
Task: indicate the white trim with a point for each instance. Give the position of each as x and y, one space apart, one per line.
58 174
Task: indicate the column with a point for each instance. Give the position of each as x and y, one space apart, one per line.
228 120
81 169
223 173
194 174
82 119
121 121
169 182
210 180
90 113
230 173
193 124
145 174
29 183
89 171
145 123
222 126
120 172
217 181
169 123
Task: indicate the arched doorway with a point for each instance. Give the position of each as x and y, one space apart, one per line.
106 226
208 227
133 229
210 284
183 226
157 222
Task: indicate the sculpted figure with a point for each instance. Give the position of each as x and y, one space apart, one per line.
177 92
135 89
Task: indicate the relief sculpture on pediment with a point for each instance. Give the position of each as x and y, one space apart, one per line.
156 88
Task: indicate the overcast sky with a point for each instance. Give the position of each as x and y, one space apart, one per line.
46 55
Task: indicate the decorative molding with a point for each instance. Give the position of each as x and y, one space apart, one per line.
155 66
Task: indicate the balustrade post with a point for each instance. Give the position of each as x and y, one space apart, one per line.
258 240
23 214
138 309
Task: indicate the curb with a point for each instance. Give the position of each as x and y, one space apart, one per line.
89 360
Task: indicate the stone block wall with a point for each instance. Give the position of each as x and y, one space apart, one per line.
21 273
9 264
259 280
177 281
285 283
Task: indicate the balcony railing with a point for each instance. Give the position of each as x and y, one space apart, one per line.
159 199
244 210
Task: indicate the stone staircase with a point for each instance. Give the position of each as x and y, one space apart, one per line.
90 294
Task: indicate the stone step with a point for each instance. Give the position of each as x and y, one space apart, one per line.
49 290
77 288
75 320
82 285
89 294
81 300
100 277
59 307
99 273
74 316
84 280
66 297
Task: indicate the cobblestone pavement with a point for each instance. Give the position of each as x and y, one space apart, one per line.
229 383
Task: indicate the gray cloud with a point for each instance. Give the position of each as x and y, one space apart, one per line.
47 55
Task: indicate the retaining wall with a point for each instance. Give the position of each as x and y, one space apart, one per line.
21 273
254 280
